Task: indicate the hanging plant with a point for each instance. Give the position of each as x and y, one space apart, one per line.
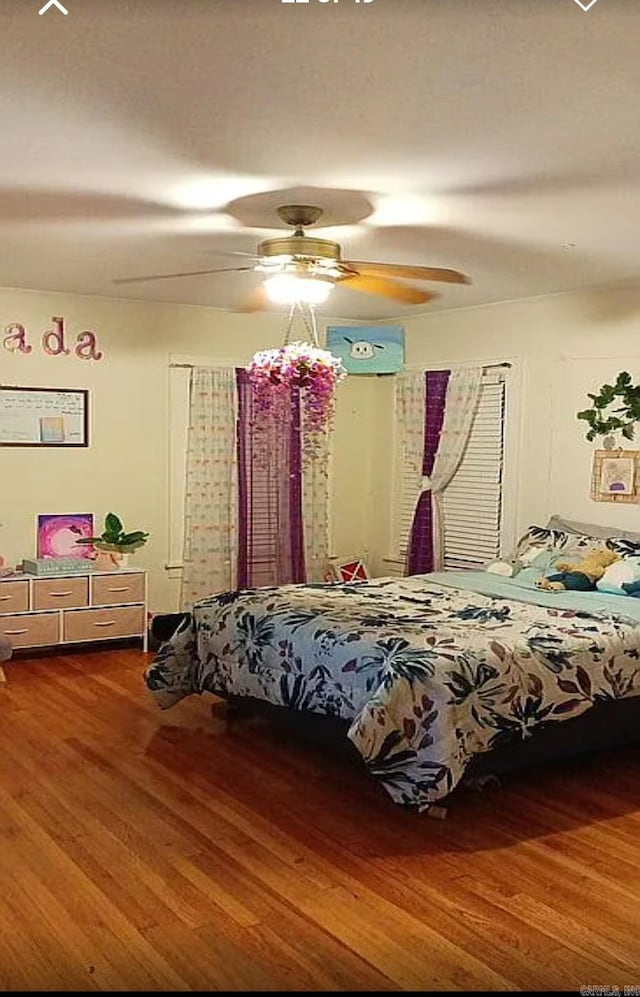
315 372
604 420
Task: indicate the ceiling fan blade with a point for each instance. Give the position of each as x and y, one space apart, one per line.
411 272
386 288
258 301
192 273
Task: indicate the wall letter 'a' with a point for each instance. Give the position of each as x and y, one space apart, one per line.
87 348
15 339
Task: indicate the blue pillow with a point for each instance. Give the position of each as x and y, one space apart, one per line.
618 575
540 565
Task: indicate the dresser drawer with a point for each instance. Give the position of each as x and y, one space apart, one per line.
109 590
14 597
59 593
99 624
31 630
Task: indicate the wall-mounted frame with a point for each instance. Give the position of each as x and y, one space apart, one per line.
44 417
616 476
367 349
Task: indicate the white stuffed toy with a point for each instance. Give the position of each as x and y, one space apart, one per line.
509 567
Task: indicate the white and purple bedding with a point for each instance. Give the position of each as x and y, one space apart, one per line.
429 670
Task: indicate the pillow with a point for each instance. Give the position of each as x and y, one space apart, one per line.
542 564
572 545
625 548
556 523
539 538
627 570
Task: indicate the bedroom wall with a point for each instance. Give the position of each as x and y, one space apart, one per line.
126 467
564 345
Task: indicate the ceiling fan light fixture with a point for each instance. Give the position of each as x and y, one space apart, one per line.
287 289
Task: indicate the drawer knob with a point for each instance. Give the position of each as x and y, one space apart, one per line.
104 623
60 593
120 588
12 633
6 598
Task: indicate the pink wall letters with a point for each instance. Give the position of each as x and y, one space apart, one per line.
54 341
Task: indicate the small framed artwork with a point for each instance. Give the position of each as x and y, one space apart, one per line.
616 476
353 570
58 535
44 417
377 349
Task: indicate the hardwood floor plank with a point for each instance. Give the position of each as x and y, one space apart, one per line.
145 850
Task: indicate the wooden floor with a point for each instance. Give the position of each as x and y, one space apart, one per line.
169 851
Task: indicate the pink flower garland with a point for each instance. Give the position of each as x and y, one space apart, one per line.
314 371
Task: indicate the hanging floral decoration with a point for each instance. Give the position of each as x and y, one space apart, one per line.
315 372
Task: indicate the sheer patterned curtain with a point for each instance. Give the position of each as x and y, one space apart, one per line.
210 534
451 402
410 410
463 392
315 503
270 528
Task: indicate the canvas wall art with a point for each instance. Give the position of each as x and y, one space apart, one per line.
58 535
368 349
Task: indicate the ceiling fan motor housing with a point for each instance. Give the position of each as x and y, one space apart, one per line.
300 245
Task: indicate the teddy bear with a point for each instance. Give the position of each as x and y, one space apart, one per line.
580 576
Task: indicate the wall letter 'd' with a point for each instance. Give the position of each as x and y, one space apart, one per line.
53 340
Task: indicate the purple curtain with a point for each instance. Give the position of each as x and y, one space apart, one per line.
420 558
270 527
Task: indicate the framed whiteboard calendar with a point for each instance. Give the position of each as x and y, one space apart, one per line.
44 417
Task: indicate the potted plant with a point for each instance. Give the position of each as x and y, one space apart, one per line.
115 543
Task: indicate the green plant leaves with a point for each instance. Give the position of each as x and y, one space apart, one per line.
112 524
622 418
114 537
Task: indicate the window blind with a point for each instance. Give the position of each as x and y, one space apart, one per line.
472 503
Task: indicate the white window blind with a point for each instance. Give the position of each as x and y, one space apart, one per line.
472 503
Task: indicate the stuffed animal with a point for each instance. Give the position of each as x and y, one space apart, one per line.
581 576
508 568
511 566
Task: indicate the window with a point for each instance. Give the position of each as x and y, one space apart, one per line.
473 501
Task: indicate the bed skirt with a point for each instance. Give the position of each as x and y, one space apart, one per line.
609 724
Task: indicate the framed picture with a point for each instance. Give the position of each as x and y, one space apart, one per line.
44 417
58 535
615 476
377 349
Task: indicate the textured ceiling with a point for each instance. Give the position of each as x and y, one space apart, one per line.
498 138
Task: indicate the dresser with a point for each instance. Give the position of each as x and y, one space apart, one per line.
37 611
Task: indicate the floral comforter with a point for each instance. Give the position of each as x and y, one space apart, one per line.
428 674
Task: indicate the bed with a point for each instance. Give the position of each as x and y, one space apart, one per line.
427 675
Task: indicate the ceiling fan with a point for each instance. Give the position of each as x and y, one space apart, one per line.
302 268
